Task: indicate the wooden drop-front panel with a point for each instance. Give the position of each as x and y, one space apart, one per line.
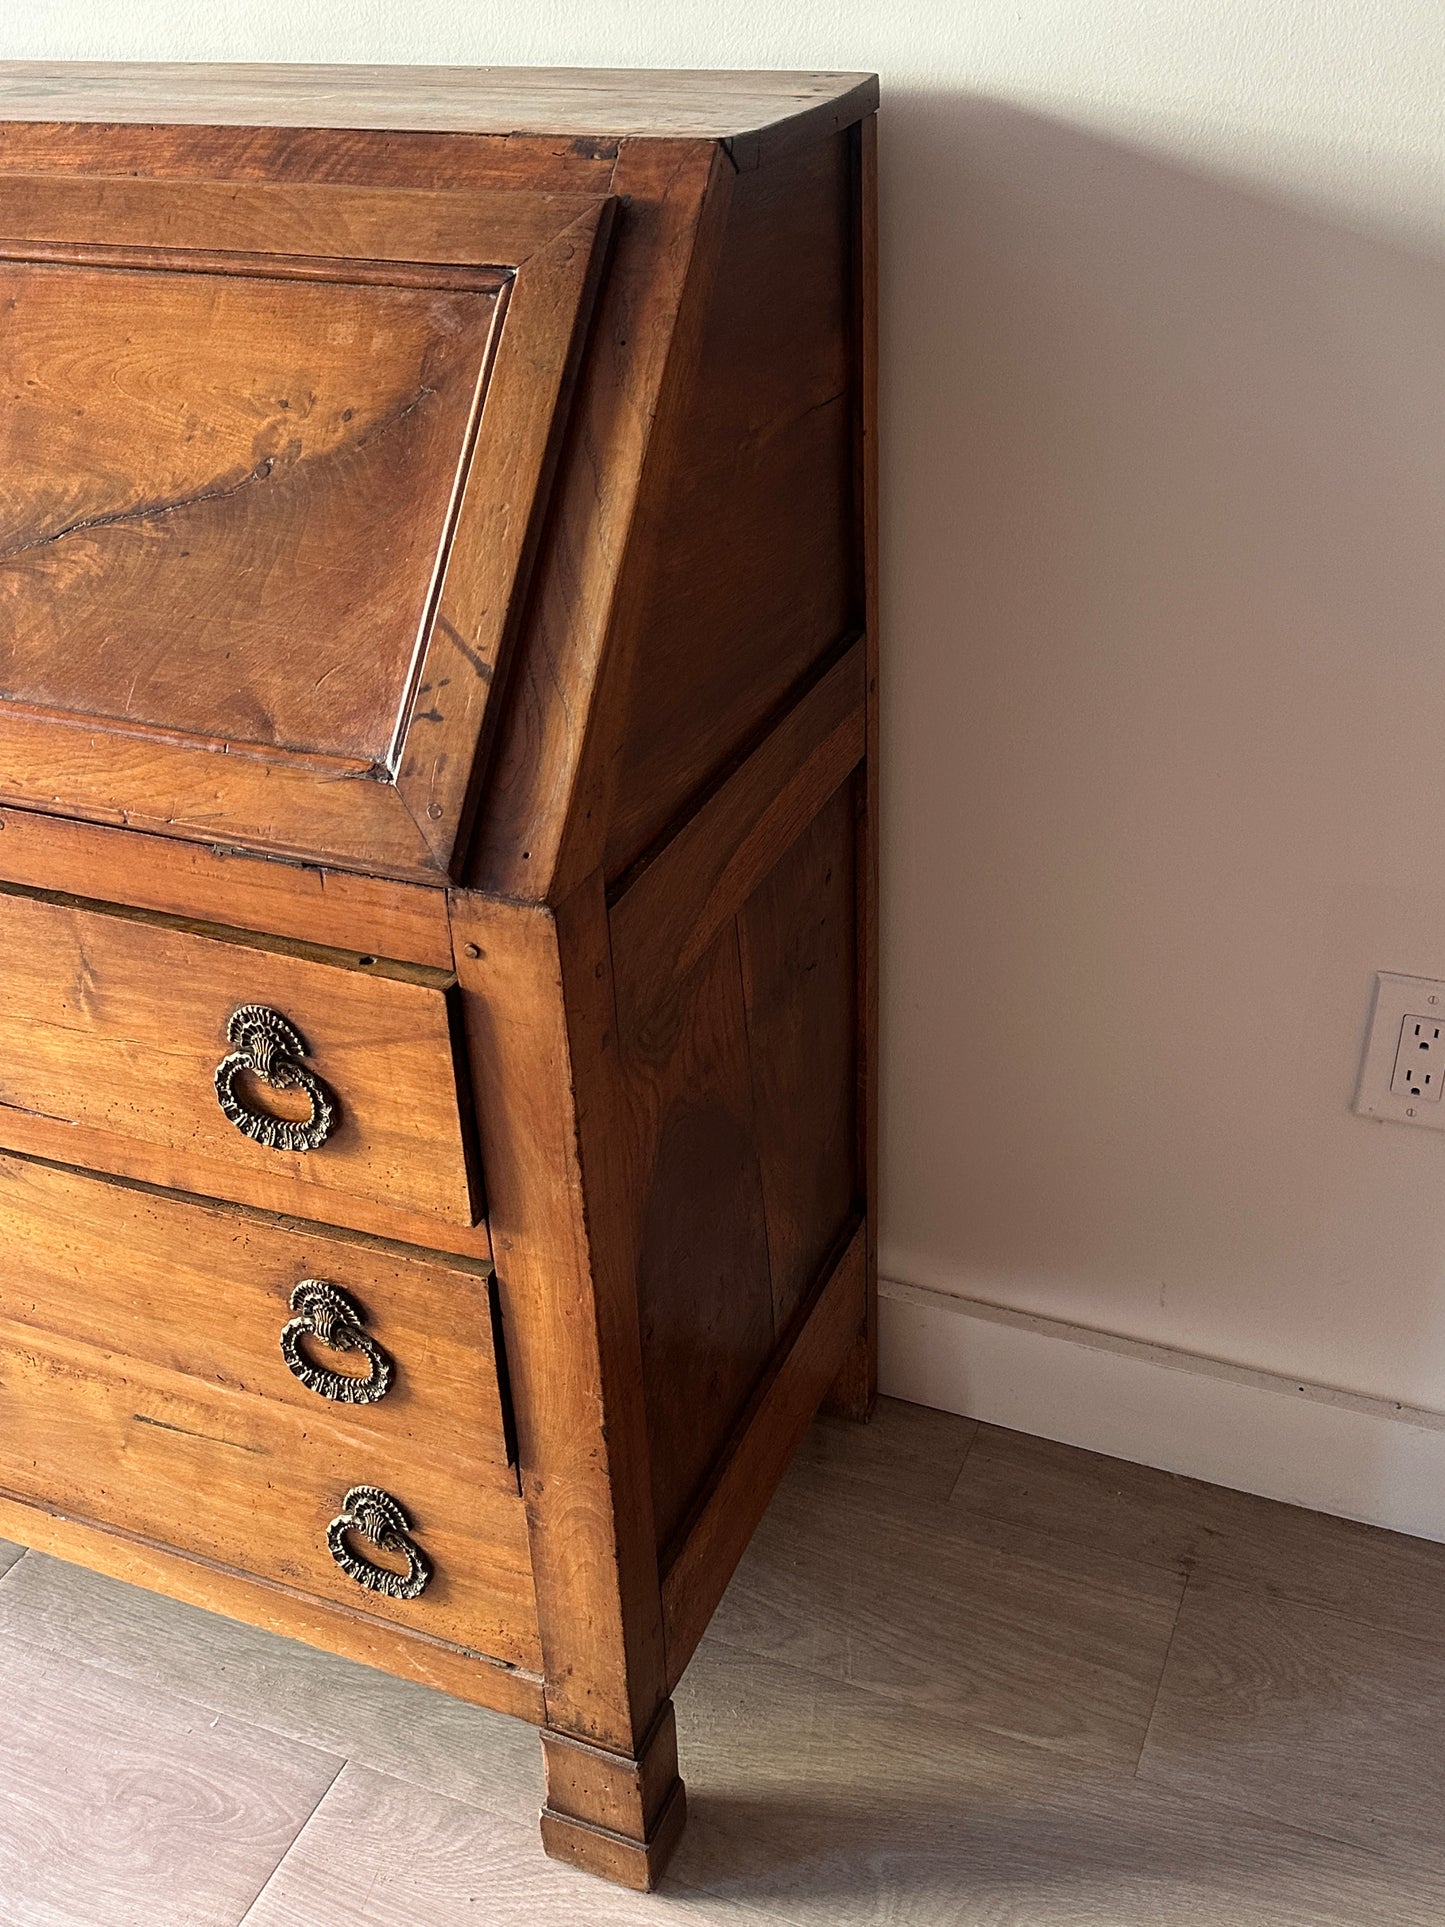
438 601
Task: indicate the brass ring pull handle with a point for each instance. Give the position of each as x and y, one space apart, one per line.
332 1317
271 1049
373 1514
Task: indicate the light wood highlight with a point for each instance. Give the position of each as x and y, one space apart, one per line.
114 1026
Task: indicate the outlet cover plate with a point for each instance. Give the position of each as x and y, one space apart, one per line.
1397 998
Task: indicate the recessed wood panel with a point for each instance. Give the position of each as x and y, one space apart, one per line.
799 929
223 497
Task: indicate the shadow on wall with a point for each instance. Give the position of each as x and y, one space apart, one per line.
1164 574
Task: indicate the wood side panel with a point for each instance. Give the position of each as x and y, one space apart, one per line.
533 782
542 1042
277 1608
370 915
748 572
798 934
698 1228
671 911
765 1443
114 1026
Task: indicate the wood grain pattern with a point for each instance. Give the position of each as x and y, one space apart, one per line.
357 1712
294 618
277 1607
238 888
204 1290
114 1801
1302 1717
695 1220
1185 1527
756 114
112 1440
747 569
178 437
539 831
115 1026
1061 1647
538 1022
673 910
799 929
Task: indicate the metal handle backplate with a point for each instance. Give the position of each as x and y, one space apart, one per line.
372 1514
332 1317
270 1048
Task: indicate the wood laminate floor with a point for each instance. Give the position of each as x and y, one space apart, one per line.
964 1679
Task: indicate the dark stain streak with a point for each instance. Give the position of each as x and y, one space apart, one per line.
143 512
26 1110
427 716
479 663
291 455
163 1425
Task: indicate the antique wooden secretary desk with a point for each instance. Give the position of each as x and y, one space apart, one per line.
437 829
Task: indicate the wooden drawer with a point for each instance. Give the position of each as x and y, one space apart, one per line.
114 1024
143 1387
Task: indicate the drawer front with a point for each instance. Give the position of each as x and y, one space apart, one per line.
117 1025
155 1378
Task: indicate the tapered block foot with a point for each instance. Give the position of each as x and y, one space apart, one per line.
610 1814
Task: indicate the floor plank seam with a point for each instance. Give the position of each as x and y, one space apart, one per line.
1163 1671
325 1795
963 1463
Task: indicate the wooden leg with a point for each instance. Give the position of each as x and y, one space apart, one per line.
854 1392
610 1814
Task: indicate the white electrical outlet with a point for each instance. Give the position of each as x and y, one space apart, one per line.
1403 1073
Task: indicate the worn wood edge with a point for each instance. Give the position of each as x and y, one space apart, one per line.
769 1434
228 887
636 1865
802 115
668 914
474 1677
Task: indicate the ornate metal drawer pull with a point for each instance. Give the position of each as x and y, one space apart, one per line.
271 1049
373 1514
332 1316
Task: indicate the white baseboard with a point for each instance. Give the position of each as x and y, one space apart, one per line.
1310 1445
